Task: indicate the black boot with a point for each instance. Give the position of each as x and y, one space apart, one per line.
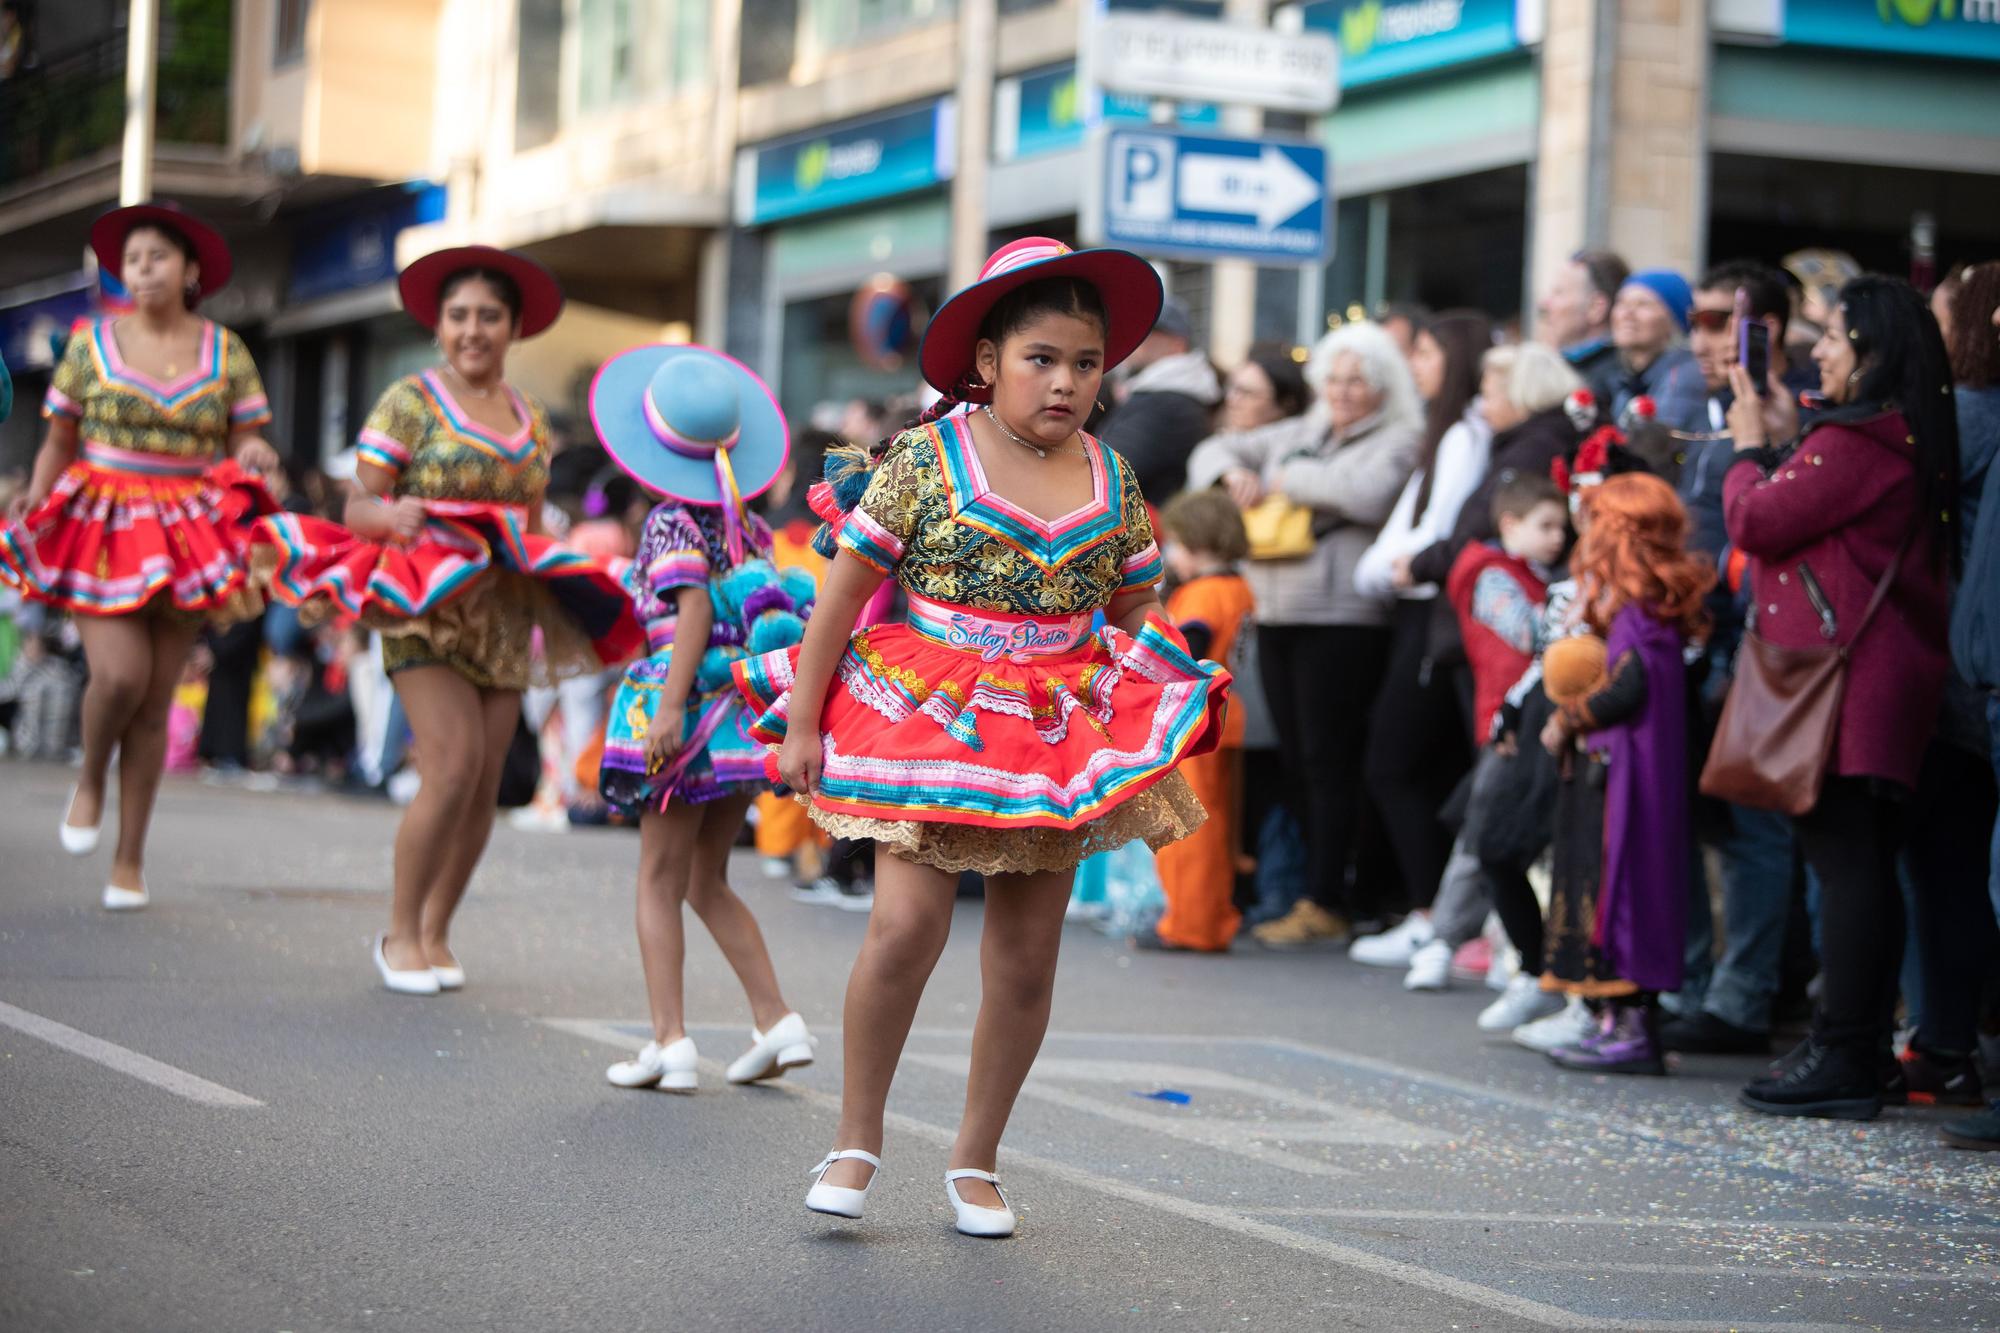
1841 1082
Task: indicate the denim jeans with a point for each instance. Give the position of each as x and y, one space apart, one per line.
1758 859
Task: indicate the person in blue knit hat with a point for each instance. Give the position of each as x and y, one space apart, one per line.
1657 377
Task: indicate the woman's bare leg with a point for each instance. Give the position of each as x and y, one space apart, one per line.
1017 979
907 929
666 848
142 750
500 712
447 719
119 650
727 917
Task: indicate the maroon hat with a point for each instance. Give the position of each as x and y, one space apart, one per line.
1127 284
422 284
108 233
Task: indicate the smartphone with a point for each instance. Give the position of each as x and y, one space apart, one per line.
1753 342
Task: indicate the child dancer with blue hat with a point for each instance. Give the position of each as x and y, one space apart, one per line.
697 428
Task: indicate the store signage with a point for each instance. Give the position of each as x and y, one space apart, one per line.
30 334
849 164
1167 55
1199 196
1050 116
1389 39
1958 29
355 245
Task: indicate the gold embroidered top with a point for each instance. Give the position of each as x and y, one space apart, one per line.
192 417
420 435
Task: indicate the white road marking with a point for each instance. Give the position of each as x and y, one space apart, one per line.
1817 1272
1776 1226
1236 1220
142 1067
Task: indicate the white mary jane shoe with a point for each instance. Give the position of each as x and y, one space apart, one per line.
124 900
79 841
976 1219
786 1046
838 1200
404 981
670 1068
449 978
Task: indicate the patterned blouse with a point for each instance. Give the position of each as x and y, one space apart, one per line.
684 547
434 450
193 417
930 518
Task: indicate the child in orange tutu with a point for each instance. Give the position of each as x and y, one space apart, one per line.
1209 605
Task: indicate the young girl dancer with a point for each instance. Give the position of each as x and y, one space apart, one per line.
995 731
135 521
1618 907
696 427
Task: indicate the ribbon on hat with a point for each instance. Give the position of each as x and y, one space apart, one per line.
735 515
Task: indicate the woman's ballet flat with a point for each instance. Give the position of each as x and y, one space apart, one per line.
973 1220
450 978
786 1046
404 981
835 1199
77 841
670 1068
124 900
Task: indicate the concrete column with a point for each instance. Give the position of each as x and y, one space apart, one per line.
978 42
142 40
1623 154
1232 315
712 283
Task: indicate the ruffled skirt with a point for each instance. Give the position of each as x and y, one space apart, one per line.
726 759
472 593
957 760
122 529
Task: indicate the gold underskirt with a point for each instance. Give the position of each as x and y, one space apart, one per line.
487 635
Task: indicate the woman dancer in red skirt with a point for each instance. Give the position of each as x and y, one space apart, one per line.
996 731
135 520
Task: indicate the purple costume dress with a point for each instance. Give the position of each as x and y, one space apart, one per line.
1618 908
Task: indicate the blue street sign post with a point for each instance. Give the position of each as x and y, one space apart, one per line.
1197 196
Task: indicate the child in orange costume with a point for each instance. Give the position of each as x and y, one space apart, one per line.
1210 606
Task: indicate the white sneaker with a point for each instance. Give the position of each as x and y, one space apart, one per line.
1521 1003
838 1200
776 867
1505 966
1567 1026
1430 968
403 981
822 892
670 1068
1394 948
977 1219
124 900
786 1046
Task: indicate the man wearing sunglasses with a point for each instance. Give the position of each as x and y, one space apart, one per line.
1725 1007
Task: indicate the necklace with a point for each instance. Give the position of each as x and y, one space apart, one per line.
476 393
1024 443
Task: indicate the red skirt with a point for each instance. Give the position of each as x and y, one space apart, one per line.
123 527
965 723
321 567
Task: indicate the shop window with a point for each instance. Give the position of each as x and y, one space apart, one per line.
605 67
820 368
630 52
538 73
290 42
831 25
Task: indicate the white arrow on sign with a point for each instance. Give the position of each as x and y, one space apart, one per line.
1271 186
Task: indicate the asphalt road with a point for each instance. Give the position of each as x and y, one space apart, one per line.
211 1117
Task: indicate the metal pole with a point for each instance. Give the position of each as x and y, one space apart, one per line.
142 41
1232 309
978 36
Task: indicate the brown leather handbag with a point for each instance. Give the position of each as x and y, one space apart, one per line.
1775 736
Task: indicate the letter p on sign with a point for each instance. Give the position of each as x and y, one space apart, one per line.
1142 178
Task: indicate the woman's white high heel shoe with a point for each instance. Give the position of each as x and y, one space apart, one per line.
124 900
975 1219
78 841
786 1046
835 1199
450 978
403 981
670 1068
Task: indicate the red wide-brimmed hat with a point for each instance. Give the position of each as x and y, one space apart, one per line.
1127 284
423 281
108 233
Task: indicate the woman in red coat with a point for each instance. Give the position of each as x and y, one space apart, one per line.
1873 483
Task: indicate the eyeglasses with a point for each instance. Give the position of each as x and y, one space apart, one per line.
1710 321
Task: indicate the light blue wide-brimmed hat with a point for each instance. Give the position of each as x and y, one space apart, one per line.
690 423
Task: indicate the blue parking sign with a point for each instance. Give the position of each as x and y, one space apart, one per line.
1162 191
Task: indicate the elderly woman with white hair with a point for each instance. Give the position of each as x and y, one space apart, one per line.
1322 645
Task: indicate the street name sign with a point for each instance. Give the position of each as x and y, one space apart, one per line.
1202 60
1205 197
